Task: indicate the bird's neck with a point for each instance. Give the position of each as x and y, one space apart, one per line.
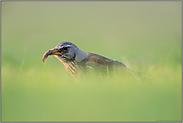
80 56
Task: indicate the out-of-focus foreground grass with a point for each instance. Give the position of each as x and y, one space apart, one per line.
146 36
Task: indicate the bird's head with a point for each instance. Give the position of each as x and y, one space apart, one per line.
67 51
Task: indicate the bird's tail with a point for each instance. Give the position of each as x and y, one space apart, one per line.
123 66
134 70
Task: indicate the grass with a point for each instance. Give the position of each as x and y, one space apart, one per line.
135 33
58 97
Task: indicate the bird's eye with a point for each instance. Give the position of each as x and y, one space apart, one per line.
65 48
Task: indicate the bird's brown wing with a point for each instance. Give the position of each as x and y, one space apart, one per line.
99 61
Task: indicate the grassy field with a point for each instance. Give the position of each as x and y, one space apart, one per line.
146 36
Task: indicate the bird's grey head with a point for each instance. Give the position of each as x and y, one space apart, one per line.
67 51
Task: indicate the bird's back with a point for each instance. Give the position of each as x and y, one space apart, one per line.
100 63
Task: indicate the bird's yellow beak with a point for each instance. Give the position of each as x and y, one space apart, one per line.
51 52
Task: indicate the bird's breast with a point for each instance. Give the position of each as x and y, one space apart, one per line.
72 66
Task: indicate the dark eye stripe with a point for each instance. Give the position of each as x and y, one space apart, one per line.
65 48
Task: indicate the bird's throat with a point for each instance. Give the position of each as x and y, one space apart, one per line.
71 66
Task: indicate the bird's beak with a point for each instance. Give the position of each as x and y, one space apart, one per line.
51 52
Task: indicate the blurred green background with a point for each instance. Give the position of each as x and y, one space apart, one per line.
146 36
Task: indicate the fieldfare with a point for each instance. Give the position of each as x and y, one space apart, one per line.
76 61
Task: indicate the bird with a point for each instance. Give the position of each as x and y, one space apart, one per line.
78 62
